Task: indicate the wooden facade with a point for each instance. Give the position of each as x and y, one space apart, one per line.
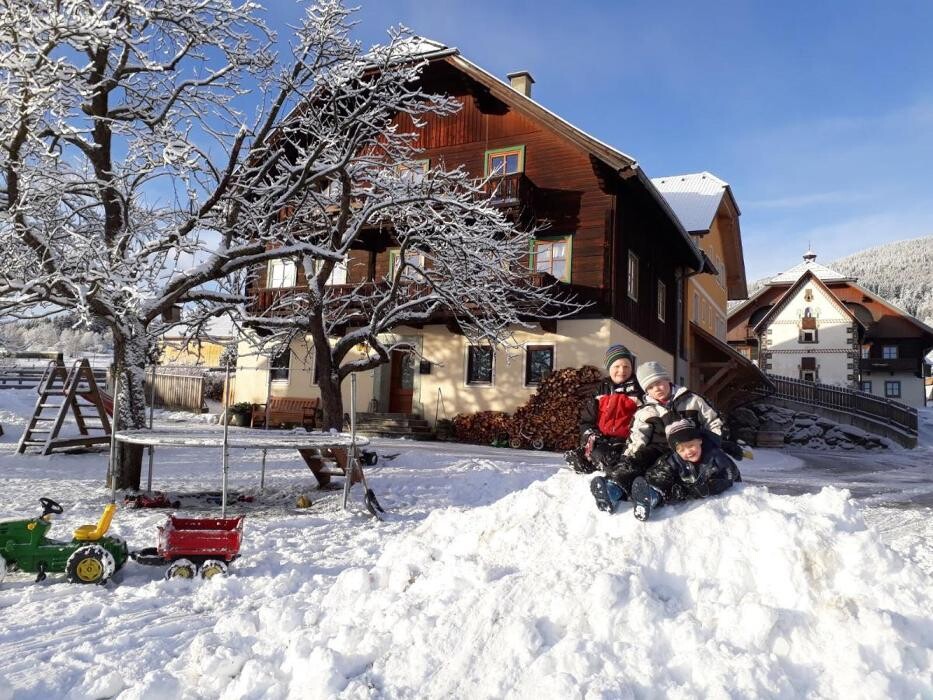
570 184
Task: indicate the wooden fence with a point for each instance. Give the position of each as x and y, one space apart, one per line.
179 391
847 400
29 376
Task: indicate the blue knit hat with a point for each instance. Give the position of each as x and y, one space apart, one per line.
617 352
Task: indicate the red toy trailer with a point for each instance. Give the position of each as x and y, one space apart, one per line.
194 546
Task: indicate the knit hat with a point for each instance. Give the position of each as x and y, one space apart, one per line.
680 431
617 352
650 372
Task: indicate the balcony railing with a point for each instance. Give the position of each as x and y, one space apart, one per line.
509 190
847 400
897 364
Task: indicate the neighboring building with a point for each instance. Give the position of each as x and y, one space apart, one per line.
612 239
708 211
815 324
203 350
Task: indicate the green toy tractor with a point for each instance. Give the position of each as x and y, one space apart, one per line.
90 557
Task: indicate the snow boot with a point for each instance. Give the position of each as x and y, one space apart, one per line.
645 498
600 490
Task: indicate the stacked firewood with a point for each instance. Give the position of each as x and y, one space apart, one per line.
483 428
548 420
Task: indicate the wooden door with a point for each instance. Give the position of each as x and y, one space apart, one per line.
402 381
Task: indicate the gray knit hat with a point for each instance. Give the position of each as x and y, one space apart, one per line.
650 372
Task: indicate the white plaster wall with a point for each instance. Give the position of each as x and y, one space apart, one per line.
834 341
911 386
576 343
253 377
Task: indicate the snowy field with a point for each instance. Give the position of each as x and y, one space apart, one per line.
493 576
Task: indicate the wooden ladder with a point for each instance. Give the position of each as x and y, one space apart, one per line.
61 392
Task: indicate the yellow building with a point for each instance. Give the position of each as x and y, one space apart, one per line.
708 211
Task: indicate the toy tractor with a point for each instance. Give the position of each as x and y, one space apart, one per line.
90 557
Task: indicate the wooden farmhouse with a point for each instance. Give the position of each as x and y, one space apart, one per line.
814 324
612 238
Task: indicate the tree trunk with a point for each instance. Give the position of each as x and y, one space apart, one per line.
129 363
329 384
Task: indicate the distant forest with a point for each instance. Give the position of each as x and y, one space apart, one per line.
900 272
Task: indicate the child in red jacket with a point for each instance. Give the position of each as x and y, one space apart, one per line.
606 417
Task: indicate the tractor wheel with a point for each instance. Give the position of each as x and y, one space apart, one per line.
90 564
212 568
2 569
181 568
515 443
537 443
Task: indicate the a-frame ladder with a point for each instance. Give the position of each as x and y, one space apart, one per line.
62 392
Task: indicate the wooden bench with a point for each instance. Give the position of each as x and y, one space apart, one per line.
285 410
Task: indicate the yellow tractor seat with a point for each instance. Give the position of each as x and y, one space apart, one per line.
95 532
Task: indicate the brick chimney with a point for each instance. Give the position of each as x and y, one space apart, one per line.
521 82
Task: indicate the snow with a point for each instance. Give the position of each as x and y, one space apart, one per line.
492 576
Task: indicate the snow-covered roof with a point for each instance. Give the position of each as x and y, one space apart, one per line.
694 197
809 264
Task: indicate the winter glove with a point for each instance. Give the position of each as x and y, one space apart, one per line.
733 449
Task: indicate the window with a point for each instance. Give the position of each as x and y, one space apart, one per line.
808 369
413 170
505 161
412 257
479 364
889 352
539 362
892 389
281 273
632 276
807 336
662 301
865 386
338 275
866 351
552 256
278 366
808 295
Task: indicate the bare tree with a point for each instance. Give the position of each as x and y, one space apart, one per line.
131 181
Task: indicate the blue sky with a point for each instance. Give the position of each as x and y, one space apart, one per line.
819 114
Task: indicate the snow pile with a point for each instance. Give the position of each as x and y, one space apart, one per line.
538 595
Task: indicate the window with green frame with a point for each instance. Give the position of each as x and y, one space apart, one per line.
504 161
552 255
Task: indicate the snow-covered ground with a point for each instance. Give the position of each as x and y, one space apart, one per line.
492 576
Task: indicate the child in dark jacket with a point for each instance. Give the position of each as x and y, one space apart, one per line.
606 417
696 468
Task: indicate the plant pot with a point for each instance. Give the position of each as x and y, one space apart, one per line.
240 420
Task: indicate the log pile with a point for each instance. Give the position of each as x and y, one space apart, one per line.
547 421
483 428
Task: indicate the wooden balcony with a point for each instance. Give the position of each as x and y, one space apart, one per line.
513 192
898 364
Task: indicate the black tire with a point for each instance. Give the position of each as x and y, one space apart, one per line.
537 443
90 564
